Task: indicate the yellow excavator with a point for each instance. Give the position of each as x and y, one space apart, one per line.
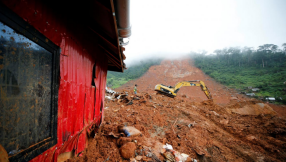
172 91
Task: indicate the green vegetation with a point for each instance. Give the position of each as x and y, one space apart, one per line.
116 79
238 68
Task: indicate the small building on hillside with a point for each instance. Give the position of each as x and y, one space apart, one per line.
250 94
270 98
54 58
255 89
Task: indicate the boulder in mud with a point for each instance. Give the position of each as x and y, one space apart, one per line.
127 151
123 140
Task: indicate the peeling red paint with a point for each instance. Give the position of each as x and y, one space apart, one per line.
78 103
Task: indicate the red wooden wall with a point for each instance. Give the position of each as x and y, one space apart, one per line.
79 102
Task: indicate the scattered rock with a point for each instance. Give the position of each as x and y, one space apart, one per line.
136 98
114 135
224 121
123 140
130 103
189 159
215 113
250 138
233 98
138 158
163 151
147 158
127 151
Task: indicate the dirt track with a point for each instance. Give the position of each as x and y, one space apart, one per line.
230 128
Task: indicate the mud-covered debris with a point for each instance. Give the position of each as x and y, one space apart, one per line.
254 109
108 98
214 113
123 140
224 121
142 101
169 157
127 151
125 100
233 98
129 130
138 157
147 96
121 96
130 103
172 155
168 147
109 90
136 98
114 135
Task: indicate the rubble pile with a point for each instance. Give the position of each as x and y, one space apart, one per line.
153 127
195 131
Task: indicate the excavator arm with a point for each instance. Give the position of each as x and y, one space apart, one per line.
193 83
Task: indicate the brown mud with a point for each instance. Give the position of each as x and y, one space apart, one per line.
232 127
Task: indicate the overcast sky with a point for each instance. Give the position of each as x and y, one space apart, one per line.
173 28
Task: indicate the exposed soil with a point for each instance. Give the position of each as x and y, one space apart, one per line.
232 127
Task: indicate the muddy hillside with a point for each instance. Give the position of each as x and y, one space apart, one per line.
153 127
171 72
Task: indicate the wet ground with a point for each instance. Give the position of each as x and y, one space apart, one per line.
232 127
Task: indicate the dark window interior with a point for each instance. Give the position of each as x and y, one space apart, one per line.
93 75
28 90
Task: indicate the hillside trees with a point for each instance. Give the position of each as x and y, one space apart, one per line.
239 68
284 47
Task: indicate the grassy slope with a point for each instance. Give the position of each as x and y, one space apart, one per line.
116 79
270 80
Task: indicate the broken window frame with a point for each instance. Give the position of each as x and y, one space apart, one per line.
15 22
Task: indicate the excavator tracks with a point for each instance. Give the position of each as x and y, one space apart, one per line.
165 93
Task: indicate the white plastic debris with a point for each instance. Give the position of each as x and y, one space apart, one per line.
108 97
109 90
167 146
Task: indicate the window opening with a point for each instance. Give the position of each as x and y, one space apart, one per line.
29 86
93 75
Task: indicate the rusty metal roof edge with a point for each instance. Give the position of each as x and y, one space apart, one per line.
125 21
116 31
